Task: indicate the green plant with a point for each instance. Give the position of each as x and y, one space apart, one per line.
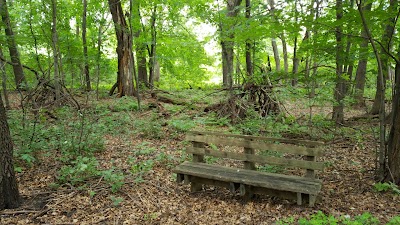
149 128
80 170
116 200
383 187
182 125
115 179
318 219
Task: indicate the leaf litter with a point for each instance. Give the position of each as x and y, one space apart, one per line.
153 197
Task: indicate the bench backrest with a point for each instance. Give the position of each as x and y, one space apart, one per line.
309 149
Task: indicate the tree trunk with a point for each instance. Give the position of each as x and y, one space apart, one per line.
276 55
339 92
153 46
227 43
4 80
285 53
394 136
362 65
385 47
140 43
296 61
124 49
9 195
85 49
57 83
98 57
249 64
12 47
273 39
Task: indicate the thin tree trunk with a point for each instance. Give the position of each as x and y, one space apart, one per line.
98 58
153 47
55 51
9 195
394 137
339 92
4 80
249 64
273 39
19 76
385 47
362 65
227 43
296 61
382 127
276 55
85 49
285 53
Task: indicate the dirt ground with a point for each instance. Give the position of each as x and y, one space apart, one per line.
158 199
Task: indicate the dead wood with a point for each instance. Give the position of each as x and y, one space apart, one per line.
259 98
43 96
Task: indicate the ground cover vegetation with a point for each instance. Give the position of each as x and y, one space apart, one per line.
97 97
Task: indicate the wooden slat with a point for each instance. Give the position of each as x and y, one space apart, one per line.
293 163
249 137
255 145
250 177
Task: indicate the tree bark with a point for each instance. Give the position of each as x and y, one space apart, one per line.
276 55
57 81
85 49
4 80
285 53
385 47
9 195
249 64
124 49
19 76
339 92
295 68
153 46
227 43
394 137
362 65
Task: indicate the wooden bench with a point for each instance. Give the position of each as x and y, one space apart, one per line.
245 178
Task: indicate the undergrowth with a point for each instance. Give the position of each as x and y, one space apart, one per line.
320 218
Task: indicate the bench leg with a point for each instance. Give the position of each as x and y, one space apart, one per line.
233 187
312 199
245 191
180 178
195 187
299 199
186 179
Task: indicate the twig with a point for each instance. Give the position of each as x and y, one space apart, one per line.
18 212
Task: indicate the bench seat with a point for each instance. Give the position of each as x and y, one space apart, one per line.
253 178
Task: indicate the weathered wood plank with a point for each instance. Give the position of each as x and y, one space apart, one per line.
281 140
310 165
250 177
249 165
300 150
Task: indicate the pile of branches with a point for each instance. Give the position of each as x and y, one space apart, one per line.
44 96
259 98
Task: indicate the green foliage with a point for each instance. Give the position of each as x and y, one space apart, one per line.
149 128
79 171
182 125
124 104
320 218
116 201
383 187
114 179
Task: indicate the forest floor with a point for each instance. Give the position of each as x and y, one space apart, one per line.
154 197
